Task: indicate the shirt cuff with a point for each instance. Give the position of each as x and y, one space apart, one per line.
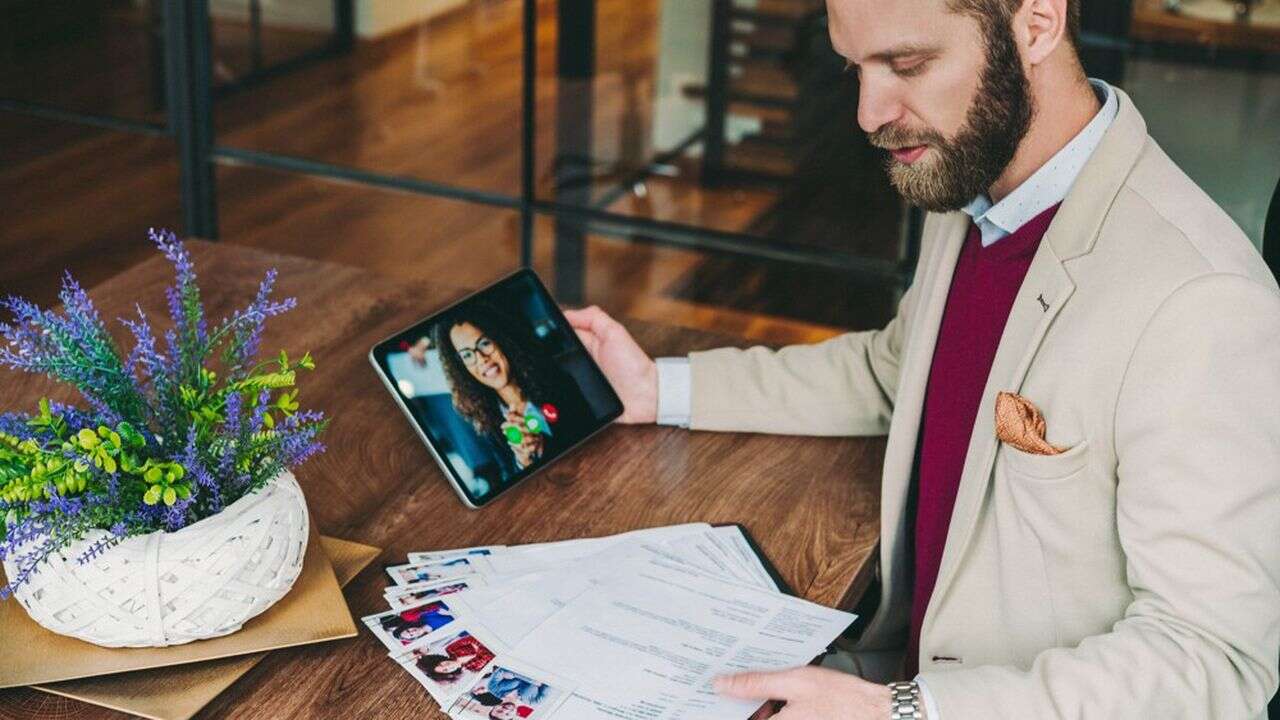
926 699
675 392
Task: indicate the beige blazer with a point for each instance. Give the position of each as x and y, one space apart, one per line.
1136 575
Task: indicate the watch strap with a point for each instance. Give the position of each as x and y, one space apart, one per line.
904 701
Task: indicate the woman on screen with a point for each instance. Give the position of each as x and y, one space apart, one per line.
511 392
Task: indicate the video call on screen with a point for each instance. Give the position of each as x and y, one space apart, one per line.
500 385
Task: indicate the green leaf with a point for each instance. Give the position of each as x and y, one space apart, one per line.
268 420
170 496
152 496
284 360
271 381
152 475
109 464
88 440
306 362
131 436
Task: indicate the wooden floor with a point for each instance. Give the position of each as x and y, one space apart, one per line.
439 102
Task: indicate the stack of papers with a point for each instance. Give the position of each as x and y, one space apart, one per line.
633 626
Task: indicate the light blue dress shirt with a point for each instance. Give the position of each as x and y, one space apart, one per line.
1047 187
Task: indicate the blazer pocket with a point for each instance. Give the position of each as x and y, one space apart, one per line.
1046 467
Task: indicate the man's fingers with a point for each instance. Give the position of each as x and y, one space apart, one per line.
589 340
583 319
592 319
759 685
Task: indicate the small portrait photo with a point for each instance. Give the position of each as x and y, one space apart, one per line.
504 694
448 665
417 597
398 630
437 556
430 572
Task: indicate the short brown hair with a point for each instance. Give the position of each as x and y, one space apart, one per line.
1002 12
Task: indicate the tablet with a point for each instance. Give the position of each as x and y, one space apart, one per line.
497 386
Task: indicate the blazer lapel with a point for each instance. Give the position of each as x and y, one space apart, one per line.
934 285
1043 293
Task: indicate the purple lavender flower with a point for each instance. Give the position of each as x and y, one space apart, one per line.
175 517
203 482
15 424
26 531
72 415
144 355
73 346
27 564
231 436
79 308
184 302
256 423
97 548
245 326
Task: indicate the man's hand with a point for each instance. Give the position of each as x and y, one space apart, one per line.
810 693
629 369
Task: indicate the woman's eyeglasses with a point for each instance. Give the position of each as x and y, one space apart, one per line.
470 355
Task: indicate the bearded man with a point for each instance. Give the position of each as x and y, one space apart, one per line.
1080 512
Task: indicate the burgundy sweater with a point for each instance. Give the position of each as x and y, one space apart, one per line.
985 282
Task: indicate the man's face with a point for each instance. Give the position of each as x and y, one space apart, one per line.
950 102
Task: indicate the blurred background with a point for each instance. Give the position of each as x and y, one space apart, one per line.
696 162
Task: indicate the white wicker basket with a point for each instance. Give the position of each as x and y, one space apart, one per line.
202 581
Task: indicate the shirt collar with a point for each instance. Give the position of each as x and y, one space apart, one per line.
1048 186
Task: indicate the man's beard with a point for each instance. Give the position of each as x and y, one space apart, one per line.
967 165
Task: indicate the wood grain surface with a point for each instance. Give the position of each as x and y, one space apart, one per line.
811 503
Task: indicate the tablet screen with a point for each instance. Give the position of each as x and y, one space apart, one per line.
498 385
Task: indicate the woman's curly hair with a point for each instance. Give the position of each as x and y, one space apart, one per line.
475 401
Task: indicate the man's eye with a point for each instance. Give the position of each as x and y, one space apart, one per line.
910 68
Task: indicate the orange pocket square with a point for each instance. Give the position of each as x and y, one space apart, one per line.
1020 424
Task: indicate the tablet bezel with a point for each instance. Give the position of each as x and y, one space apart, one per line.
378 358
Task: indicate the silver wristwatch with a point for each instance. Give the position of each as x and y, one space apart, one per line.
904 703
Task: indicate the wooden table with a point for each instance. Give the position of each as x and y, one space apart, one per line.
811 503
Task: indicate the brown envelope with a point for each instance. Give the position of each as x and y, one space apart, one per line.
313 611
177 693
1020 424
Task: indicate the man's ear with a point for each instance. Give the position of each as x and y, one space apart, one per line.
1041 27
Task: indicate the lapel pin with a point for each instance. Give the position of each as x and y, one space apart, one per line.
1044 305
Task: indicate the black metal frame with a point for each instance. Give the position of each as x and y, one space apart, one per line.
189 94
189 100
341 41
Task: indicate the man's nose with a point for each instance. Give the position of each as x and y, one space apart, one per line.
877 106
